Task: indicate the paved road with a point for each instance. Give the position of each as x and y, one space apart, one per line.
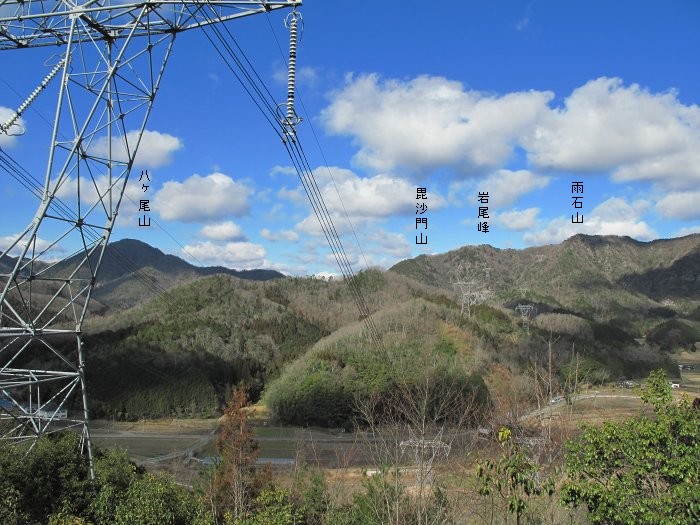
578 397
198 441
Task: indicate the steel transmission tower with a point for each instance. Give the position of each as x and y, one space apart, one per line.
471 290
112 57
527 312
425 451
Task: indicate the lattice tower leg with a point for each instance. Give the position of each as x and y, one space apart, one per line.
105 97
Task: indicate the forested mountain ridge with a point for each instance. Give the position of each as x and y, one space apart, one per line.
605 277
118 286
302 340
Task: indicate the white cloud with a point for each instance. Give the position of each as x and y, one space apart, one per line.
387 244
239 255
310 224
284 235
624 131
379 247
283 170
200 198
379 196
92 189
429 122
517 220
8 139
155 149
504 187
369 197
364 199
688 230
52 254
635 134
295 195
680 205
223 231
614 216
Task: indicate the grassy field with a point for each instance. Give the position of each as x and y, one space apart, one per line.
171 444
690 379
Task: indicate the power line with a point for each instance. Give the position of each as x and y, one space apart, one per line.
301 164
320 149
26 179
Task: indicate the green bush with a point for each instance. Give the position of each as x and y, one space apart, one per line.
643 471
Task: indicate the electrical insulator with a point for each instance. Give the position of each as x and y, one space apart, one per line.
290 119
4 128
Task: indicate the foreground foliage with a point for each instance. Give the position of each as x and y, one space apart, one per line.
643 471
514 477
51 484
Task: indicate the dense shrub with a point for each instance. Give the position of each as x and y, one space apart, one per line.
50 483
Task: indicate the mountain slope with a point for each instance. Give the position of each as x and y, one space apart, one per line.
129 265
597 276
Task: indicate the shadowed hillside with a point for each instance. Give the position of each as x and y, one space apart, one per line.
132 270
603 278
303 343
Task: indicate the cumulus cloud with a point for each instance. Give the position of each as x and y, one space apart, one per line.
388 244
623 131
680 205
283 170
94 197
294 195
378 196
310 224
430 122
507 186
8 240
379 247
223 231
202 198
614 216
688 230
504 187
155 149
364 199
283 235
627 130
517 220
8 139
239 255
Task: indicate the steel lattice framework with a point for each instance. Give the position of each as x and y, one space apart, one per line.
425 451
112 57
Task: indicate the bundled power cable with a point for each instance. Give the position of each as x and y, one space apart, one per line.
283 126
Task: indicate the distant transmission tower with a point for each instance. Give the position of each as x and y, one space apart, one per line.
425 451
539 257
112 57
523 291
527 312
471 291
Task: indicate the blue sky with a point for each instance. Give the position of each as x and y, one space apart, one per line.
514 98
